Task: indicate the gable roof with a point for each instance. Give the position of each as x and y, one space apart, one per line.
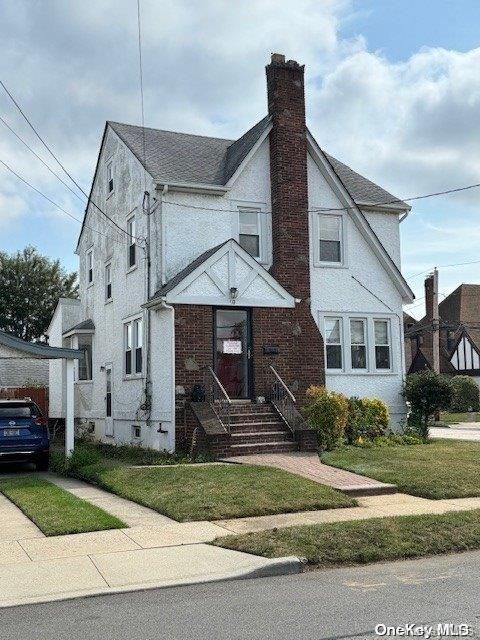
187 158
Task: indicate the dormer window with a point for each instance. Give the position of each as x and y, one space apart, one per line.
109 177
249 231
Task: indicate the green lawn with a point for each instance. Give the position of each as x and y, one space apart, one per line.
454 418
440 469
213 492
363 541
54 510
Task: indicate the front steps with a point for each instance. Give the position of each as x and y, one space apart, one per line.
258 428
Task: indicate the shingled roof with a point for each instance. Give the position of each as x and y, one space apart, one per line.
187 158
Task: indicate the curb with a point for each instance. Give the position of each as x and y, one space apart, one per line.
287 565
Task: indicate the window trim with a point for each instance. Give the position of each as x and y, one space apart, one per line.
133 322
88 268
369 319
108 265
317 262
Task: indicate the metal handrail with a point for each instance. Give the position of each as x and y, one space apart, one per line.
220 403
220 385
277 375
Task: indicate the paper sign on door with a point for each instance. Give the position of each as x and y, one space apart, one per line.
232 346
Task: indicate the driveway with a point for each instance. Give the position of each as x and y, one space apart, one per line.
460 431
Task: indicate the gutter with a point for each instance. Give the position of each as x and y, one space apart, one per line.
192 187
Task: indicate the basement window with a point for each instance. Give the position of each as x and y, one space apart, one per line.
136 432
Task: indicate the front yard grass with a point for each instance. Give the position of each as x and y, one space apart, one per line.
214 492
54 510
364 541
440 469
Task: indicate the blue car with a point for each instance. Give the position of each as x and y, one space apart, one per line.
23 433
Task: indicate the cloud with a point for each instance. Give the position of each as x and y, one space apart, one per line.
411 126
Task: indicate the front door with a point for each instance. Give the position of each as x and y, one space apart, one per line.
108 401
232 347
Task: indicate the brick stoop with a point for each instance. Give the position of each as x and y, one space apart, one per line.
259 429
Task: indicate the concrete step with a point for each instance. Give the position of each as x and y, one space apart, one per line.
273 425
256 416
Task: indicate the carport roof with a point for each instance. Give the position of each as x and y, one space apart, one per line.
38 349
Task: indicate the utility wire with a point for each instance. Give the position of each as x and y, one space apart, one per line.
41 159
40 193
89 200
443 266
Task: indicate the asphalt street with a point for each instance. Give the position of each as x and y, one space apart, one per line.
321 605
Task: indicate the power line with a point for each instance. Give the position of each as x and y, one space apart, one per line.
40 158
70 215
89 200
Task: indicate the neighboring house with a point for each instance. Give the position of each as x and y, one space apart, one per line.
458 333
264 251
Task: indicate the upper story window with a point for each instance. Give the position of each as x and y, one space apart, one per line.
358 343
133 346
131 243
330 238
333 342
108 281
89 259
109 177
85 363
249 232
382 344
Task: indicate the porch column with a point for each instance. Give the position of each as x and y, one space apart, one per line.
69 408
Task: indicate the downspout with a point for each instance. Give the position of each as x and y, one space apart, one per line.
163 244
164 305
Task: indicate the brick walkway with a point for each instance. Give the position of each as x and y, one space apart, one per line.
309 466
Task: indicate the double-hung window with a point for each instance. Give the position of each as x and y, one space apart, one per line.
133 347
382 344
330 238
85 363
333 340
89 257
131 244
109 178
358 343
108 282
249 231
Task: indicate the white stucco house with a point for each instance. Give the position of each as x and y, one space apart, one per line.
242 266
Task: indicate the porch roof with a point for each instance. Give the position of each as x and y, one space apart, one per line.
37 349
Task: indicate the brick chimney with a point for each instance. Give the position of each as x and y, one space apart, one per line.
290 227
288 175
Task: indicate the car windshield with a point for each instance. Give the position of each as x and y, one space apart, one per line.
14 410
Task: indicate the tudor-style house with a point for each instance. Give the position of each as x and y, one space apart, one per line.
232 270
454 325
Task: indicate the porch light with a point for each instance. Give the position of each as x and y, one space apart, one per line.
233 293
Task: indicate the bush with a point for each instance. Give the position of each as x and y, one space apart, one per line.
427 392
326 412
466 395
82 456
368 418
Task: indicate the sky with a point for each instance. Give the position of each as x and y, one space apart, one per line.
392 89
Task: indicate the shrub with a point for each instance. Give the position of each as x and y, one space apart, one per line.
466 394
427 392
368 418
326 412
82 456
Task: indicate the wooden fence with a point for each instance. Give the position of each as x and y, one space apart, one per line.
39 395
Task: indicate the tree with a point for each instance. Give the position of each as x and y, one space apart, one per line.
427 392
30 287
